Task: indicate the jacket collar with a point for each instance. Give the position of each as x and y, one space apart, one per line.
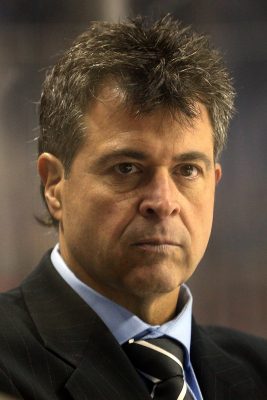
71 330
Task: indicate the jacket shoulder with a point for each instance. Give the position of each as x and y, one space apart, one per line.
248 349
27 368
16 329
13 311
229 364
235 341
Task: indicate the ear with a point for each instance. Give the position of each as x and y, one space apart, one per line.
51 172
218 173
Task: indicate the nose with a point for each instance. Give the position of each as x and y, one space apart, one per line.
161 197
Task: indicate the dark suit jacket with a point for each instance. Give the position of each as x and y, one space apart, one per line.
53 346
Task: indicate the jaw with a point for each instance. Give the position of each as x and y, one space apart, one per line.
152 308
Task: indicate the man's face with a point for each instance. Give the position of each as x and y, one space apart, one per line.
136 209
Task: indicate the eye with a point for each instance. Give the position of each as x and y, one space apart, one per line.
189 171
126 168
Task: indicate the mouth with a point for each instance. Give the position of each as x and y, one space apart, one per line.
156 245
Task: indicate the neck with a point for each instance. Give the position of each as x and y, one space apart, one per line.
154 310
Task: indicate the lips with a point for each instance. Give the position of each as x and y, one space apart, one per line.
156 242
162 247
158 246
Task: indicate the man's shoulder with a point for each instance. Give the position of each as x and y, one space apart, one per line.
234 342
14 314
235 360
11 300
247 350
16 318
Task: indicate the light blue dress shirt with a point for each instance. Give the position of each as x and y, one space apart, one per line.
124 325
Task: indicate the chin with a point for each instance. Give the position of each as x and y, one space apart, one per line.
147 286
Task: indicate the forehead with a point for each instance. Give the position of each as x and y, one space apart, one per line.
105 122
109 124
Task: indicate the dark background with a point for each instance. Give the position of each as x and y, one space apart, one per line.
230 285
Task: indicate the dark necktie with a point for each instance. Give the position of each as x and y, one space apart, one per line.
161 362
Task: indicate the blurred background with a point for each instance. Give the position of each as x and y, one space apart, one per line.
230 285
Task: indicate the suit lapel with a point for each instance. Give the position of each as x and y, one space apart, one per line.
220 376
72 330
111 374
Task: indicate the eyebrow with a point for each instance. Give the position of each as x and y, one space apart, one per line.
194 156
141 155
114 154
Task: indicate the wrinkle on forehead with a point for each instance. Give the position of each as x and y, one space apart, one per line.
110 104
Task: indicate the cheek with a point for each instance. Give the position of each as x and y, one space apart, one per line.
108 215
200 219
204 218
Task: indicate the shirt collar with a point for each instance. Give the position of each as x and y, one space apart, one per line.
123 324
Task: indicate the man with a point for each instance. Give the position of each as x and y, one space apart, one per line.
133 119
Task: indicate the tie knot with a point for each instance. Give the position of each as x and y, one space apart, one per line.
160 359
